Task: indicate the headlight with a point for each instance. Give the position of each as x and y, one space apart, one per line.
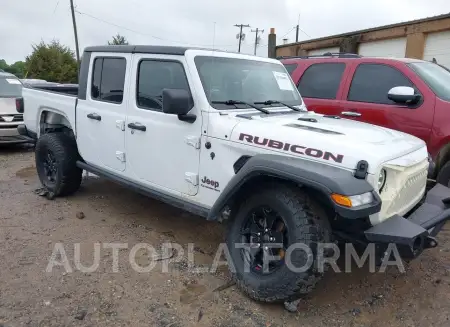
381 180
353 200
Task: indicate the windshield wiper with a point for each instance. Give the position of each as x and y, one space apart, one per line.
235 102
271 102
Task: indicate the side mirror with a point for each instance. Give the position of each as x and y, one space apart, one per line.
404 94
178 102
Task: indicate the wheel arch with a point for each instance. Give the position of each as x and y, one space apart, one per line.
51 119
320 179
442 158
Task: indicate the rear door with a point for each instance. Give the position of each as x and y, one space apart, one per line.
366 99
320 87
101 116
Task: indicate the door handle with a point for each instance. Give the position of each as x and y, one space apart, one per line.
351 113
137 126
94 116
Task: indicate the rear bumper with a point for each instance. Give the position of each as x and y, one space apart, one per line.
416 232
11 135
24 132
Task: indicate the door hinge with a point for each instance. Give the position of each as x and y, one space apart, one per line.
191 178
193 141
120 155
120 124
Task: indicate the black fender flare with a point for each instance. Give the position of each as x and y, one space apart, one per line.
324 178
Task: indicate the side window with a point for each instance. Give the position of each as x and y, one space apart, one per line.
321 80
372 82
108 79
290 68
153 77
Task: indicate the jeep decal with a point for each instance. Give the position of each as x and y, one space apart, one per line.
298 149
209 183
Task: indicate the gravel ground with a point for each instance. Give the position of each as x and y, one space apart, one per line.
102 212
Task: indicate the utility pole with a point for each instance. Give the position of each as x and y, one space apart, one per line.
75 32
256 37
297 28
240 36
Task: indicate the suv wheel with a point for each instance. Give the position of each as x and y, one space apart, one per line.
444 175
56 156
265 226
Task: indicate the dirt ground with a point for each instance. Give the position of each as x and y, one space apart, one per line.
31 225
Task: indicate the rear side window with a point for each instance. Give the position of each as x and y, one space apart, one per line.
153 77
108 79
321 80
290 68
10 87
372 82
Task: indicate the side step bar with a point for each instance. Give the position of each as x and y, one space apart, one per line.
157 195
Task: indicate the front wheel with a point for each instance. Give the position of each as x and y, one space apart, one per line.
444 175
56 156
273 244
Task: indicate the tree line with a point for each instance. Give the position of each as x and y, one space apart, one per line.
53 62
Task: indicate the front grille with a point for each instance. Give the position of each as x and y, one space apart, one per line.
11 118
411 190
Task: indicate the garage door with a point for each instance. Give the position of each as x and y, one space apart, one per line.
384 48
437 45
322 51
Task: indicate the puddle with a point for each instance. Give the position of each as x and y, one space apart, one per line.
191 293
26 172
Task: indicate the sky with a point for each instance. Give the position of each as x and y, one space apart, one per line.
202 23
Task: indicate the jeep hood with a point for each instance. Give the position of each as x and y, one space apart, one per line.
336 141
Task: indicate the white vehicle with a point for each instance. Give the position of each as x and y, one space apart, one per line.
227 136
11 105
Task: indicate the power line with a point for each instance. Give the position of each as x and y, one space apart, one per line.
141 33
241 36
304 32
288 32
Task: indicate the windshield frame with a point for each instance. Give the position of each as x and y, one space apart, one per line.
222 106
432 84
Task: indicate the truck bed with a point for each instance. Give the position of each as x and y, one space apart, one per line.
39 98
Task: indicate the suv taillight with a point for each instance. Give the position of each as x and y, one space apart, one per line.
19 105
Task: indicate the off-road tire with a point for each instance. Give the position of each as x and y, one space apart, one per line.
443 176
64 150
305 223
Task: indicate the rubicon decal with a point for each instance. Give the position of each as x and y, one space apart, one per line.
209 183
294 148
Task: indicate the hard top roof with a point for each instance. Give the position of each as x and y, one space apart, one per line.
155 49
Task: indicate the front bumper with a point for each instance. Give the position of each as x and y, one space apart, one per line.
416 232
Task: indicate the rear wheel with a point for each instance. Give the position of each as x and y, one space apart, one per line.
56 156
270 235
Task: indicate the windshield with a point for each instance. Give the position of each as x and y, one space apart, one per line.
10 87
245 80
437 78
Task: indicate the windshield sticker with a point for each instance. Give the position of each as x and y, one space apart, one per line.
13 81
284 83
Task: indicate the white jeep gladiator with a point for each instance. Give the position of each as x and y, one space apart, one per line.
227 136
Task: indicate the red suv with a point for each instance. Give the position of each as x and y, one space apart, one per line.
409 95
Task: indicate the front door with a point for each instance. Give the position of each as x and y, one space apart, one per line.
161 149
101 116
